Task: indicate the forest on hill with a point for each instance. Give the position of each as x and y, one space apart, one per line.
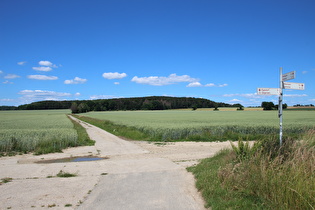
115 104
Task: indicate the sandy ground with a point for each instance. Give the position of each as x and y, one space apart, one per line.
131 170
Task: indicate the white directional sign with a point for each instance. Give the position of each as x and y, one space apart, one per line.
294 86
288 76
268 91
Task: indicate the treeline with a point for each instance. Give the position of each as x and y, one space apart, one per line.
271 106
140 103
8 108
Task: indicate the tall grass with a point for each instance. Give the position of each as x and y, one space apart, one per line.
37 131
208 125
267 176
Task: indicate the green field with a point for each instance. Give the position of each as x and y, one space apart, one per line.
27 131
35 131
209 125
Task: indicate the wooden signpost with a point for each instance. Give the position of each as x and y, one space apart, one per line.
279 92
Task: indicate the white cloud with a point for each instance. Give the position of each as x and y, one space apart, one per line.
214 85
234 101
21 63
159 81
245 95
7 82
114 75
42 68
47 63
224 85
102 97
42 77
11 76
77 94
295 95
116 83
1 72
304 72
6 99
45 66
194 84
30 96
76 80
210 85
43 93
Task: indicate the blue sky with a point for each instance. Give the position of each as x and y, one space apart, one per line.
218 50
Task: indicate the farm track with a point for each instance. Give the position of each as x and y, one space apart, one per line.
136 175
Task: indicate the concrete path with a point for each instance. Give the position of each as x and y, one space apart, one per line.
134 175
144 183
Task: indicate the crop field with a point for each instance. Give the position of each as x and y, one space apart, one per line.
209 125
26 131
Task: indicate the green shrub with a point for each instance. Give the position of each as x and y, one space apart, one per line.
65 174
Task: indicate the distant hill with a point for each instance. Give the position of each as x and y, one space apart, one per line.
139 103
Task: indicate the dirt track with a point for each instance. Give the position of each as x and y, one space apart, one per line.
136 175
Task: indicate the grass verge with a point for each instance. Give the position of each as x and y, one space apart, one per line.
215 194
55 145
265 176
118 130
83 137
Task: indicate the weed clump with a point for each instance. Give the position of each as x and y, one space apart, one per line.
263 176
65 174
283 176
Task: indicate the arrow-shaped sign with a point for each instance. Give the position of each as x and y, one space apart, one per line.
288 76
268 91
294 86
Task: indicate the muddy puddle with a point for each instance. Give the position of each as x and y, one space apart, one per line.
73 159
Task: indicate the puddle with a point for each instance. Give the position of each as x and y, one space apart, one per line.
73 159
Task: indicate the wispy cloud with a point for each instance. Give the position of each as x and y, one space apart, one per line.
29 96
245 95
76 80
116 83
210 85
295 95
11 76
233 101
6 99
7 82
198 84
114 75
43 93
160 81
304 72
102 97
1 72
42 77
223 85
21 63
42 68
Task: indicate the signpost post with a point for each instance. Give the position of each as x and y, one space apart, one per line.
280 105
279 92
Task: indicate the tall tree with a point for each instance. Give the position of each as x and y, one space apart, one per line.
267 105
74 108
